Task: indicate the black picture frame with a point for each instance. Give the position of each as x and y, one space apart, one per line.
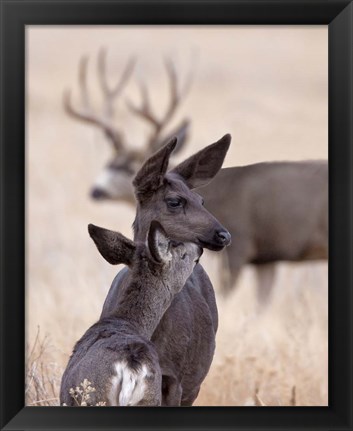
338 15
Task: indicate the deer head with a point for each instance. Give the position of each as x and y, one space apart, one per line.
168 197
115 180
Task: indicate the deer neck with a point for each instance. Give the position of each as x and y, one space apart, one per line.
144 300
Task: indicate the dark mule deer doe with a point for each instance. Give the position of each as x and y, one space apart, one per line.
116 354
185 336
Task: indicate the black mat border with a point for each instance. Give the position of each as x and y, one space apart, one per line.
15 15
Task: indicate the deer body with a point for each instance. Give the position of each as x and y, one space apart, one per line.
275 211
116 354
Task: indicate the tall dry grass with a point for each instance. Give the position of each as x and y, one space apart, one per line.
42 374
268 87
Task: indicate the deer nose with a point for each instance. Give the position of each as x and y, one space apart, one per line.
97 193
224 237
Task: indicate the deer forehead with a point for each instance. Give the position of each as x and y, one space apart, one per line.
174 185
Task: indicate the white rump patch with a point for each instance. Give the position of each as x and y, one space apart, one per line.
127 386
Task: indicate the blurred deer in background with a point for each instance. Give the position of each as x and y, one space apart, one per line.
115 181
275 211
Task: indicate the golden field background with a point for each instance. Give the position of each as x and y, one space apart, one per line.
267 86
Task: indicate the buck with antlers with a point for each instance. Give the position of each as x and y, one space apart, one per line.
276 211
115 181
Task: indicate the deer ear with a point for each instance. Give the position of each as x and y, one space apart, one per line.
199 169
158 243
113 246
150 177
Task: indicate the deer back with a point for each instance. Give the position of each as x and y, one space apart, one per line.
280 209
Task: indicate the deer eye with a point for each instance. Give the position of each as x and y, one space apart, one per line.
174 202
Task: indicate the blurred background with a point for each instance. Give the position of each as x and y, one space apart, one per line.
268 87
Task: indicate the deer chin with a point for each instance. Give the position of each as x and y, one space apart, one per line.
210 245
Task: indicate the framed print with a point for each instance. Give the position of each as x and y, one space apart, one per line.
176 215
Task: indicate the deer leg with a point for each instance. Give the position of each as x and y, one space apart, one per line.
265 280
189 400
171 391
233 259
224 276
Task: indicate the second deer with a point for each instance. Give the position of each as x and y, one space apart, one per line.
116 354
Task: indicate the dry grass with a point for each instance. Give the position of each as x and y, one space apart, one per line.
43 376
42 373
82 395
268 87
268 352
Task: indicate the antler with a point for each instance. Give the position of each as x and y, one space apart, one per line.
86 113
145 111
112 93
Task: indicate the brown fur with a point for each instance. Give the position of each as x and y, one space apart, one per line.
275 211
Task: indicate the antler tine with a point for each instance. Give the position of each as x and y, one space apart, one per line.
175 98
82 81
86 113
174 94
125 76
89 117
101 62
112 93
144 111
189 78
